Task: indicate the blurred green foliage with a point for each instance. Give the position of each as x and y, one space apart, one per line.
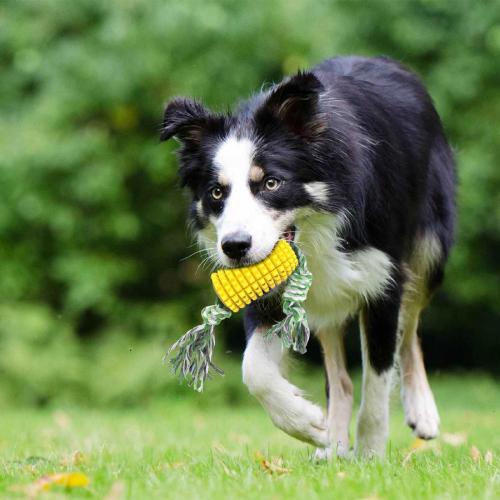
92 234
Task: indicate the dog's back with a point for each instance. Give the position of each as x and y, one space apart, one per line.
405 150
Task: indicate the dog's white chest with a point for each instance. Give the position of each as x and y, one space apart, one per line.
341 281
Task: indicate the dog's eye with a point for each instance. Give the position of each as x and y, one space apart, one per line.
272 184
216 193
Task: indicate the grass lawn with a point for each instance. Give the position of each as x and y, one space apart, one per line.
196 446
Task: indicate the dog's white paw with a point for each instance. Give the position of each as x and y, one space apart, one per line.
326 454
322 454
421 413
298 417
311 425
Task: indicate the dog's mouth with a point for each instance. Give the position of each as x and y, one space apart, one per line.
289 233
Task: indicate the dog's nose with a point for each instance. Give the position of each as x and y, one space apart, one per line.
236 245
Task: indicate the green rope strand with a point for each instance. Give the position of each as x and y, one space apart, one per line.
195 348
293 329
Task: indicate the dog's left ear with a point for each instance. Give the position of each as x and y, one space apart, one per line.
295 104
184 119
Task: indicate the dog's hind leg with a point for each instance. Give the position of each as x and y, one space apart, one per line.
288 409
424 273
339 392
418 401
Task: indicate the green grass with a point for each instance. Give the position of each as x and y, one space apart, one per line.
187 446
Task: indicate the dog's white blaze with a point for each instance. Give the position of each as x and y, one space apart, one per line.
318 191
242 210
341 280
234 159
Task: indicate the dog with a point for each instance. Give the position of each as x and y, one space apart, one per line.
350 161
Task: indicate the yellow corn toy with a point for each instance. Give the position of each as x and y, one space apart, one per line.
236 288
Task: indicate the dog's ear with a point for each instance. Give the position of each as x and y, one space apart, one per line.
295 103
185 119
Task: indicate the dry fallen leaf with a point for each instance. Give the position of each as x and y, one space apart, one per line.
273 466
68 479
341 474
456 439
488 457
45 483
475 453
418 444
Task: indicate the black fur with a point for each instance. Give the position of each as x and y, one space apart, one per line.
367 128
380 323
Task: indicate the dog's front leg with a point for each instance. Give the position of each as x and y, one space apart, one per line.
379 327
288 409
339 392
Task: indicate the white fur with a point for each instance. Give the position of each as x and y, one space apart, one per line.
427 252
318 191
340 393
373 417
242 210
420 409
199 208
341 281
288 409
234 159
418 401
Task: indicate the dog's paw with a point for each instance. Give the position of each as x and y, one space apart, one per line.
422 415
328 453
311 426
322 454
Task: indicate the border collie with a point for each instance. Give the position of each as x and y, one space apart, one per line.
350 161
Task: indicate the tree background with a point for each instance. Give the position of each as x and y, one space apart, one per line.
94 279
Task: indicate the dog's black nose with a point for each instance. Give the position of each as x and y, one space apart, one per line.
236 245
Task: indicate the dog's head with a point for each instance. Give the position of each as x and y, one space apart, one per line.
250 172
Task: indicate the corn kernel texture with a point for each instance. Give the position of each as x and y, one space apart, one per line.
237 288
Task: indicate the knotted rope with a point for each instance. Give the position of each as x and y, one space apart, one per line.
293 329
195 348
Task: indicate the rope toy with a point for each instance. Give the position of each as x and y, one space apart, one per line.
236 288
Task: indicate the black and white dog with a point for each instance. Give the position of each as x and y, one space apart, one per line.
349 160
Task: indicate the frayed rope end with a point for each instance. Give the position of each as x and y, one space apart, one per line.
195 348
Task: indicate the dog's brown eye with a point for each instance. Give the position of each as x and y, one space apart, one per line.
216 193
272 184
